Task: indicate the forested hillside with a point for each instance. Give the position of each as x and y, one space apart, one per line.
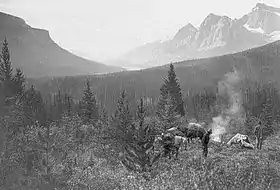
255 65
68 140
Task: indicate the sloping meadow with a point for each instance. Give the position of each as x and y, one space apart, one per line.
224 168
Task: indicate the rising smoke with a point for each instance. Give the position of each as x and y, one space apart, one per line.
220 124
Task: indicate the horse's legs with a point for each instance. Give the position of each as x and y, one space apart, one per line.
205 150
177 152
172 151
166 151
170 154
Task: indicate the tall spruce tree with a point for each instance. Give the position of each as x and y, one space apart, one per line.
175 90
172 87
170 104
88 104
6 70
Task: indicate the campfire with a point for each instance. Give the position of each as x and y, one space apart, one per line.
231 112
219 126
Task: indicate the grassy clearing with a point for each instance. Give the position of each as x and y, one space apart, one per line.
224 168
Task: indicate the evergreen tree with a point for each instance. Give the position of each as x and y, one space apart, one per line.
122 113
169 116
141 112
11 107
14 115
103 117
137 156
122 131
6 70
34 107
102 129
162 100
19 81
170 87
88 104
174 90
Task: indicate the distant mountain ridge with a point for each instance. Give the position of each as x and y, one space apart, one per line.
38 55
217 35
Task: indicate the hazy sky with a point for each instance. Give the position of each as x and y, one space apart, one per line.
102 29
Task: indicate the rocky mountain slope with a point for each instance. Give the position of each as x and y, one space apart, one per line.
38 55
217 35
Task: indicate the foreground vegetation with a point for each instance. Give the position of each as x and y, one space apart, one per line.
63 143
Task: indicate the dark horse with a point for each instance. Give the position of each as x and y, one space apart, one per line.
193 131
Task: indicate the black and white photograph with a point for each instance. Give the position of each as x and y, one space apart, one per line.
139 94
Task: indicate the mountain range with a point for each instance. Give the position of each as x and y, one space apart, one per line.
216 35
38 55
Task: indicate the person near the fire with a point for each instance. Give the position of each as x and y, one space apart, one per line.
259 134
205 141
